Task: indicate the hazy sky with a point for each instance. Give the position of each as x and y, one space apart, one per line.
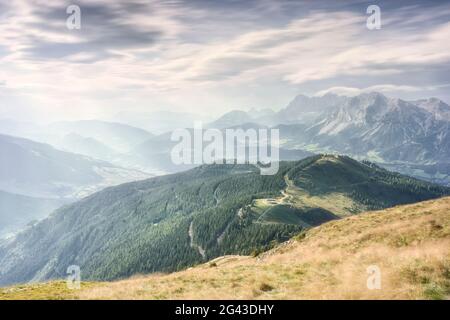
209 57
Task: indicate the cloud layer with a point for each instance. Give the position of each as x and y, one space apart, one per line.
208 56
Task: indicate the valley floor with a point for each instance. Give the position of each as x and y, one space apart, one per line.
409 245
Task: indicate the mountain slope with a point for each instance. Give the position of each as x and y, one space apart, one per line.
368 126
306 110
16 211
157 122
117 136
154 155
412 136
39 170
231 119
302 109
396 130
105 141
86 146
408 244
30 167
439 109
200 214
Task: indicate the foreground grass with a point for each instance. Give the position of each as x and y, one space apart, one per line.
54 290
410 244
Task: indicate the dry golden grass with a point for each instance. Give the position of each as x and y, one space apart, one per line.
410 244
54 290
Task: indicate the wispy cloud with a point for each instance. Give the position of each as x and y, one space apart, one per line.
198 54
384 88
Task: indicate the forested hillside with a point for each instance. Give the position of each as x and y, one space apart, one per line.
169 223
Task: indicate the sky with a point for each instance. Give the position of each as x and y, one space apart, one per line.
209 57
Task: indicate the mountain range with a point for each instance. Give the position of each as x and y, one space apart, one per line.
157 122
39 170
200 214
412 137
117 137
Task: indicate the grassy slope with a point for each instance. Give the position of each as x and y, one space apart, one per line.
410 244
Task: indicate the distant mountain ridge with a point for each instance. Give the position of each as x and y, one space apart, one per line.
39 170
438 108
17 211
412 136
231 119
305 109
99 140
